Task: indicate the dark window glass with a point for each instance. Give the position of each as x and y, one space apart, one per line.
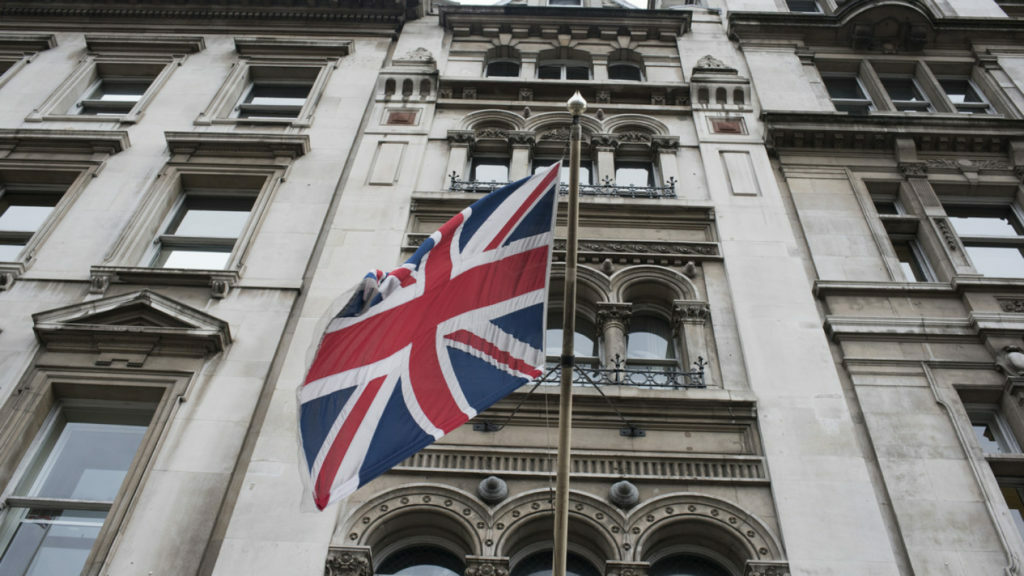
687 565
887 208
624 72
905 94
964 96
421 561
803 6
844 87
910 262
577 73
503 69
274 100
549 72
540 565
21 215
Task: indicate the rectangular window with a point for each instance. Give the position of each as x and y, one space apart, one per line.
22 214
905 94
585 170
268 97
203 230
67 483
633 174
490 169
112 95
965 96
848 94
912 261
993 237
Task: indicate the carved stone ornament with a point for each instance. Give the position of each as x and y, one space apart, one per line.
604 97
469 93
665 143
492 133
1012 305
947 232
913 169
6 280
967 165
1011 361
466 137
99 283
633 137
777 568
492 490
486 566
711 64
690 312
521 138
526 94
613 312
614 568
624 494
605 141
666 248
348 561
555 134
420 54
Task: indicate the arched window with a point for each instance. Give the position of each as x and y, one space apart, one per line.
649 338
421 561
539 564
502 62
625 64
563 64
584 343
687 565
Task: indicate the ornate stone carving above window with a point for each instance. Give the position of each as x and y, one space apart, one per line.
348 561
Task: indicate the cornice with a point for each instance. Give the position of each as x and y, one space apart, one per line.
930 132
77 142
546 21
27 43
237 144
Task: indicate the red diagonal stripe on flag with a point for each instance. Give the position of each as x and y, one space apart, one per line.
473 341
514 220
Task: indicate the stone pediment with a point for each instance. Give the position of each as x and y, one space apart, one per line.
141 323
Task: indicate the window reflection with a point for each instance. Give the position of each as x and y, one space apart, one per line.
421 561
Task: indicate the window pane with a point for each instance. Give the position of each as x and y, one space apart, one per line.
902 89
490 170
50 542
563 174
421 561
577 73
193 259
540 565
887 207
624 72
17 218
913 270
564 2
998 221
650 338
549 72
960 90
843 87
633 174
212 217
119 91
9 250
803 6
687 565
88 461
1015 502
988 437
503 69
584 343
997 261
278 94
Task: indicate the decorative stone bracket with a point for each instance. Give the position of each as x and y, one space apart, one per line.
767 568
486 566
614 568
348 561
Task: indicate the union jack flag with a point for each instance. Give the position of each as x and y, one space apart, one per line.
417 352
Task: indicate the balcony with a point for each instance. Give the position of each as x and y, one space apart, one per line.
606 189
666 376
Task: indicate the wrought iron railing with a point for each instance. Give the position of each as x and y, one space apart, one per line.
607 188
622 374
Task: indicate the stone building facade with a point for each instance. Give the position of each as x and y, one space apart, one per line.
800 326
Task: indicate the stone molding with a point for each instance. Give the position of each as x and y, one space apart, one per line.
348 561
616 568
1011 305
136 44
282 148
487 566
264 47
913 169
88 145
21 44
773 568
220 281
690 312
141 323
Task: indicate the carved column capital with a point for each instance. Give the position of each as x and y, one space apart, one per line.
665 143
522 138
913 169
613 312
614 568
486 566
461 138
690 312
604 141
766 568
348 561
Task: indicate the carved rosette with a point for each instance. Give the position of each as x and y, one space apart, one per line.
614 568
486 566
348 561
776 568
613 312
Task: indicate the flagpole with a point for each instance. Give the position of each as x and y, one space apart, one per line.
576 105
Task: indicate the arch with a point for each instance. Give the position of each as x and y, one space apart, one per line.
652 283
738 98
559 120
591 287
908 10
502 61
394 519
424 88
629 122
626 64
389 87
702 95
720 529
406 88
523 525
721 96
492 118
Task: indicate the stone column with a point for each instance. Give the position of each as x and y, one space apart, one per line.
604 146
521 143
460 142
486 566
613 322
688 319
348 561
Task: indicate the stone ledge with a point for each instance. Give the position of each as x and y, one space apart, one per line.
220 282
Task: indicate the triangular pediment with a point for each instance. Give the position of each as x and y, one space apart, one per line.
144 319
